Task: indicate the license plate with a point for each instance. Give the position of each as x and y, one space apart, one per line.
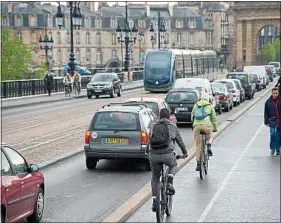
182 109
116 141
98 90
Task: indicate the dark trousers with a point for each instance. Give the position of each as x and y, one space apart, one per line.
156 161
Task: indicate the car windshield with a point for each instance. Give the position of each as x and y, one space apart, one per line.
242 77
219 86
152 105
101 77
274 64
254 77
115 120
177 97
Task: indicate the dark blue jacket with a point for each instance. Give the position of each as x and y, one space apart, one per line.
272 112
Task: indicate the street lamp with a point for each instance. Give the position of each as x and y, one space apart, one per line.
130 36
160 28
76 22
46 43
141 36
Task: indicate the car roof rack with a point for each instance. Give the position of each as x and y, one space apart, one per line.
125 104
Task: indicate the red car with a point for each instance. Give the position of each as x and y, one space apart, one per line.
22 188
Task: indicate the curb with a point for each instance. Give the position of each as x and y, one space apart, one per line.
59 99
122 213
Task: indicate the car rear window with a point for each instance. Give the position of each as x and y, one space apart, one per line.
242 77
152 105
177 97
219 86
274 64
115 120
229 84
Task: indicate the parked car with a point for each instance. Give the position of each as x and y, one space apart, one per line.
270 70
155 104
246 81
256 81
241 89
104 84
118 132
181 101
276 65
22 188
259 70
218 107
273 70
225 95
267 80
234 90
200 84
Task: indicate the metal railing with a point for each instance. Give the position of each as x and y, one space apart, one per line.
19 88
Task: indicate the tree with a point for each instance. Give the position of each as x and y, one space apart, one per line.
268 52
16 56
276 45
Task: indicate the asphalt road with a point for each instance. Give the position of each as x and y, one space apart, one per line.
76 194
243 183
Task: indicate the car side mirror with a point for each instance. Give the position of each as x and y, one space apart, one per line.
34 168
115 79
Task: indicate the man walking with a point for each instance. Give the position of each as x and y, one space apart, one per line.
272 113
49 82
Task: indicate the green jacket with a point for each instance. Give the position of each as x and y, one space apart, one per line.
210 120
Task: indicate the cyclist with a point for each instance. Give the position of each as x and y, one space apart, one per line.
161 145
77 80
203 117
67 81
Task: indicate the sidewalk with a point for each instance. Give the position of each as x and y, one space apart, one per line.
37 99
243 182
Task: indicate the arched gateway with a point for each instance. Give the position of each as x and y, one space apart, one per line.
255 23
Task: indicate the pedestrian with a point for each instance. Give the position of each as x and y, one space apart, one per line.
272 111
49 82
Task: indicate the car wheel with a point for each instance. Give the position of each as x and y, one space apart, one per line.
2 217
220 110
235 104
119 93
231 106
91 163
147 166
227 108
38 208
112 94
89 96
97 96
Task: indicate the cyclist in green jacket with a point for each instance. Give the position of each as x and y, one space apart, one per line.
206 123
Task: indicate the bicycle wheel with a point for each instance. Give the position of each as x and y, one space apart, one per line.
202 160
160 207
168 197
206 163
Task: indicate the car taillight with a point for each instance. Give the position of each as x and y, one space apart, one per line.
233 91
87 137
144 137
222 97
206 90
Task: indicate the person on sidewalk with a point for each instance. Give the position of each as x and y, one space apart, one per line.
67 81
161 148
49 82
272 111
204 118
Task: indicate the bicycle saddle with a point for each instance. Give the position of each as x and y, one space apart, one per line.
202 133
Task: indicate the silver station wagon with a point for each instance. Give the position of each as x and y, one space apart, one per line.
118 132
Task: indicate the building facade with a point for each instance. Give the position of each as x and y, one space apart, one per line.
96 44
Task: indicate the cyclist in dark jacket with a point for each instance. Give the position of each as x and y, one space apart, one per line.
166 156
272 111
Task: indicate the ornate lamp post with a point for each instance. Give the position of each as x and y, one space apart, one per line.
75 22
160 30
129 36
46 43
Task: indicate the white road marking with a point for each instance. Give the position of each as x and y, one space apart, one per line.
224 183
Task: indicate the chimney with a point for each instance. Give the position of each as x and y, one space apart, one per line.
147 9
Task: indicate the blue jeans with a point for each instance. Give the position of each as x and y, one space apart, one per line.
275 138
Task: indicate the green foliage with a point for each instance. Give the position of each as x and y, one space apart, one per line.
268 52
16 57
276 46
41 72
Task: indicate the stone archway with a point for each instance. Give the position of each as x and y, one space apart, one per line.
249 18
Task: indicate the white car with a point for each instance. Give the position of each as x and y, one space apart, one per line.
199 84
259 70
232 85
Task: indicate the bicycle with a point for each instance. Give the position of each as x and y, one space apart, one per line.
76 88
204 157
67 90
164 200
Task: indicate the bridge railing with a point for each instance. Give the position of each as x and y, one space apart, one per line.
19 88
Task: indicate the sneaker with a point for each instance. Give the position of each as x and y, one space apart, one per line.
272 152
154 205
210 152
170 188
277 153
198 166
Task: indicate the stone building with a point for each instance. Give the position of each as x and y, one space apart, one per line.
95 44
